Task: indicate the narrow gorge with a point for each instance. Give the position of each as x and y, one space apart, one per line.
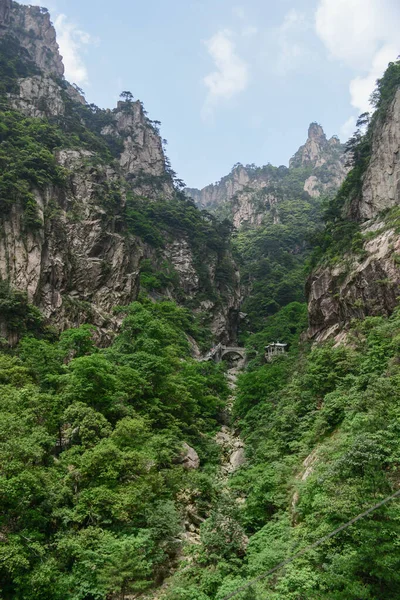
149 447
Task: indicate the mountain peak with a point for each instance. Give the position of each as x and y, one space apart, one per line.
314 152
316 132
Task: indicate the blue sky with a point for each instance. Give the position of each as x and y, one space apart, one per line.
231 81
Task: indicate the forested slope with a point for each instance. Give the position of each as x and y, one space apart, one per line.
320 425
112 483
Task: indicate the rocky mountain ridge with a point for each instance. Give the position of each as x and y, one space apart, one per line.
84 253
318 168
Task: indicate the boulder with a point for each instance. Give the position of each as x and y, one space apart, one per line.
237 458
189 457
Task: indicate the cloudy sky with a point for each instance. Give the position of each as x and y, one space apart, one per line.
231 81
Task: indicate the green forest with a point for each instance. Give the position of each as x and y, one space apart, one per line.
95 489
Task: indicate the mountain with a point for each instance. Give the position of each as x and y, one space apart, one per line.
90 207
319 424
318 168
133 464
358 272
276 211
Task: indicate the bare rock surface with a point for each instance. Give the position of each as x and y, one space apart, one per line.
354 288
189 457
367 282
77 267
35 32
381 184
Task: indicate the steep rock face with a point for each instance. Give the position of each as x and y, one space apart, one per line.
5 10
82 259
381 185
356 288
222 307
366 282
142 159
78 266
216 193
247 192
35 32
313 152
38 96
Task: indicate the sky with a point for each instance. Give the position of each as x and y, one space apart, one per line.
230 80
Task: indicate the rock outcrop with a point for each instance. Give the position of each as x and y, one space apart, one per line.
315 152
39 96
78 265
82 259
5 11
366 281
381 184
142 159
215 194
32 26
248 191
356 287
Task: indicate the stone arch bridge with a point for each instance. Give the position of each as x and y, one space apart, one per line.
220 352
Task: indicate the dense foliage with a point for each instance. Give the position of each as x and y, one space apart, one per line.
93 492
27 162
89 454
17 315
273 256
322 436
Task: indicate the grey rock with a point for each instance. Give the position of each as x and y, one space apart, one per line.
381 185
32 27
82 261
142 159
354 289
5 10
237 458
189 457
77 267
364 284
39 96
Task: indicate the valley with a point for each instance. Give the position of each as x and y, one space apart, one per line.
148 447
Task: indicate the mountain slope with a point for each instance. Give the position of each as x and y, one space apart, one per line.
318 168
89 200
358 273
320 424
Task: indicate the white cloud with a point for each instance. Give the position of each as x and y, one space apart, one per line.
72 40
290 43
361 88
363 35
231 74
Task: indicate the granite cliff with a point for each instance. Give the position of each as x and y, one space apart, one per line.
80 252
363 277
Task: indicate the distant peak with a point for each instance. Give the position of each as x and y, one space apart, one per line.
315 132
313 152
